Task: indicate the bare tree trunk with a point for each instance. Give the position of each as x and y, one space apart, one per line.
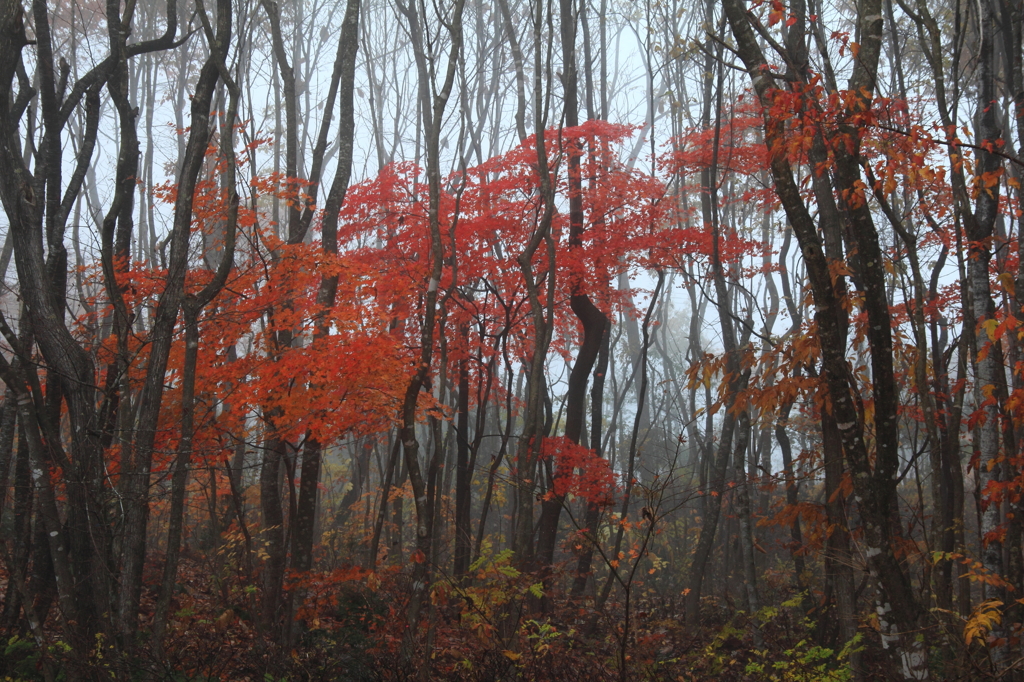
541 313
432 104
463 473
192 306
593 516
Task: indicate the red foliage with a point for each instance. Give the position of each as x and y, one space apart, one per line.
580 471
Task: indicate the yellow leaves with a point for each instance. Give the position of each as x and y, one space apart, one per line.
988 614
981 622
1005 279
511 655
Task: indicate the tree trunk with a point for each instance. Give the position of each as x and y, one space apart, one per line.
593 516
463 473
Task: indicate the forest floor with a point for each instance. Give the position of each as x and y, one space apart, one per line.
352 625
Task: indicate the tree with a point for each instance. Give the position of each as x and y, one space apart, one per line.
874 483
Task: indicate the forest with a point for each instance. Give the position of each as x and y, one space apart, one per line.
516 340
